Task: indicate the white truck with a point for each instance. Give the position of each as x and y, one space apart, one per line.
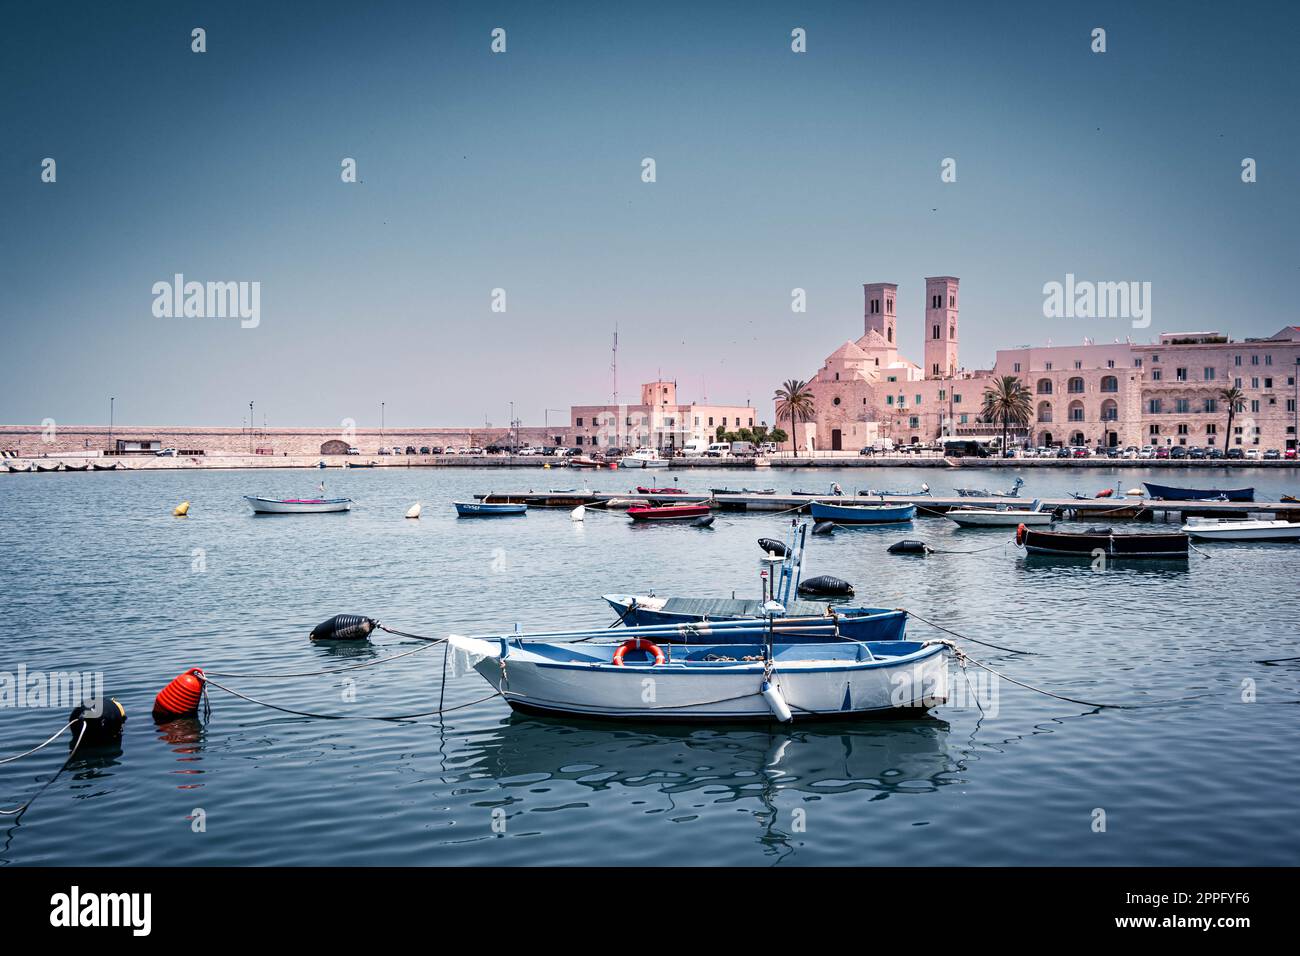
695 448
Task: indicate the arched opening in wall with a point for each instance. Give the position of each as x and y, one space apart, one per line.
1044 386
1110 410
1077 439
1112 439
1045 440
1044 411
1076 411
334 447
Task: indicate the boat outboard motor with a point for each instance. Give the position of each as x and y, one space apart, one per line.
824 527
826 585
344 627
772 546
909 546
703 522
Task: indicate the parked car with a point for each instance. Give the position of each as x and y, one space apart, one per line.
1214 453
1178 451
1196 451
1148 451
165 453
1163 451
353 450
1131 451
1235 454
1272 455
1114 452
768 448
410 449
1252 454
1063 452
1289 454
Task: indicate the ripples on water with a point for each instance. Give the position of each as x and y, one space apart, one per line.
97 575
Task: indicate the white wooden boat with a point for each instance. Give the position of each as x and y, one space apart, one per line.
643 458
1226 530
297 506
637 679
1001 517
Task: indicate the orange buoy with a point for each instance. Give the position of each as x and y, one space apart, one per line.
181 697
1105 492
638 644
1020 533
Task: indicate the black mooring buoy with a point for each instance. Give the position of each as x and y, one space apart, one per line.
344 627
827 585
909 546
704 522
772 546
824 527
95 723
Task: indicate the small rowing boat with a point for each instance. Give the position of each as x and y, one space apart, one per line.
1098 542
1012 492
1225 530
666 512
54 467
755 675
1168 493
660 491
854 623
862 514
1002 517
643 458
297 506
488 509
81 467
98 467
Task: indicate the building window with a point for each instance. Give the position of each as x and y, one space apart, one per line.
1075 386
1268 383
579 425
1137 363
1254 360
1153 430
963 419
1236 360
1268 360
935 332
1254 404
943 394
913 422
579 440
956 399
1211 406
1254 382
1078 364
1044 386
1182 430
1109 383
1016 367
1181 406
710 421
1209 374
1155 375
1153 406
1047 366
1180 374
889 399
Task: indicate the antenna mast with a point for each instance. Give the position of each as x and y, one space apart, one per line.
613 364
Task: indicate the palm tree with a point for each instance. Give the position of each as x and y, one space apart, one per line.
794 403
1007 401
1235 399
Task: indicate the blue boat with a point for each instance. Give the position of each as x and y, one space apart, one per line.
862 514
853 623
484 509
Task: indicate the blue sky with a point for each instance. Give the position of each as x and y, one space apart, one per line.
522 171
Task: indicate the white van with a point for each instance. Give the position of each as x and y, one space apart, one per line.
695 447
719 449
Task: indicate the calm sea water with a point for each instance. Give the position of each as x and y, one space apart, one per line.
96 575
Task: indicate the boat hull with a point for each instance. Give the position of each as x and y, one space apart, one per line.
1083 545
480 509
862 514
643 463
1000 519
1167 493
816 681
288 506
668 513
1245 531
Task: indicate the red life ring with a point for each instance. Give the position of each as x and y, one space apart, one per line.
638 644
1020 534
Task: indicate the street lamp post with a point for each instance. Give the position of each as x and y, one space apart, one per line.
250 428
111 400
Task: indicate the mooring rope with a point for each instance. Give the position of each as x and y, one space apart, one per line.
416 637
304 713
334 670
17 812
53 738
961 655
940 627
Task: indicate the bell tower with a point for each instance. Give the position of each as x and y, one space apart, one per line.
940 326
879 310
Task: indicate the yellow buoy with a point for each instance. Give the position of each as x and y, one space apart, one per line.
414 511
546 464
182 509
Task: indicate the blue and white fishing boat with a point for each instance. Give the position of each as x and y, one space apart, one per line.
486 509
762 678
862 514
